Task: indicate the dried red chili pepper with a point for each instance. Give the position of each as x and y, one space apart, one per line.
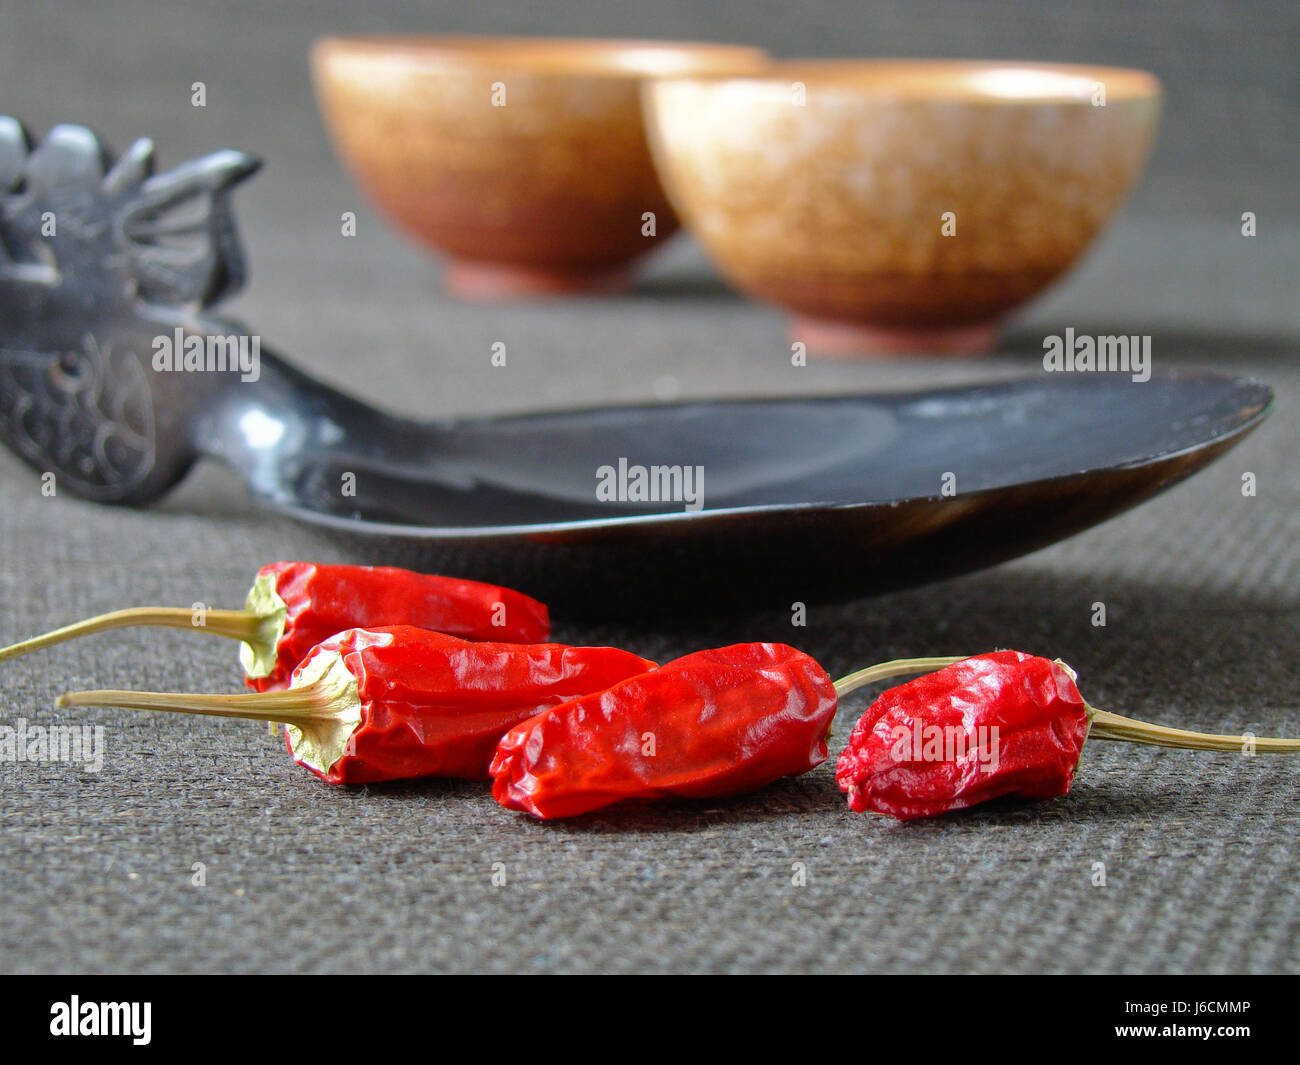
292 606
712 723
399 702
993 725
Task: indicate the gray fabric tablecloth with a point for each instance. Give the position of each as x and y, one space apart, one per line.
1202 585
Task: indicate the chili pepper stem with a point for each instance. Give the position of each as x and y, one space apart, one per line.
294 706
258 627
243 625
897 668
322 708
1108 726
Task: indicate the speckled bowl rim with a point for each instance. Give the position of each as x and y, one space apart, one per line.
964 81
585 57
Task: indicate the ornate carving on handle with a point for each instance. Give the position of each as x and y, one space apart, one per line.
86 414
73 217
98 256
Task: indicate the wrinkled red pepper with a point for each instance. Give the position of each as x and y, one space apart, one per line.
712 723
400 702
997 724
294 605
993 725
320 601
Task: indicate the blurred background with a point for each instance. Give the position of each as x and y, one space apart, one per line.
1228 143
1229 67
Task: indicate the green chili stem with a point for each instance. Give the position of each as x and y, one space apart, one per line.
294 706
1108 726
242 625
323 708
897 668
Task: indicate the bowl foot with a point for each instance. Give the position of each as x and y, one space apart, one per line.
849 340
500 281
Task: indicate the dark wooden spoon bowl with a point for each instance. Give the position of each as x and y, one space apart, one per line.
803 499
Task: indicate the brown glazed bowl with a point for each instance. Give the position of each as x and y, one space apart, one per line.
900 205
523 159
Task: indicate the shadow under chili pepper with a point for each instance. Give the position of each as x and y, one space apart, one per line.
423 787
791 796
810 795
775 802
1010 812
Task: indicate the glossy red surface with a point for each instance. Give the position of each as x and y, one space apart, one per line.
324 600
435 706
712 723
929 746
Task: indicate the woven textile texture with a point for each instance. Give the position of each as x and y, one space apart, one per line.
1201 585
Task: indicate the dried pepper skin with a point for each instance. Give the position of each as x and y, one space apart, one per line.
930 746
433 705
323 600
713 723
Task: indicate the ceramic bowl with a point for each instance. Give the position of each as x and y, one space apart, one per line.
523 159
900 205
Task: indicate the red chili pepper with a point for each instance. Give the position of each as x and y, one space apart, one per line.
710 724
994 725
399 702
294 605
